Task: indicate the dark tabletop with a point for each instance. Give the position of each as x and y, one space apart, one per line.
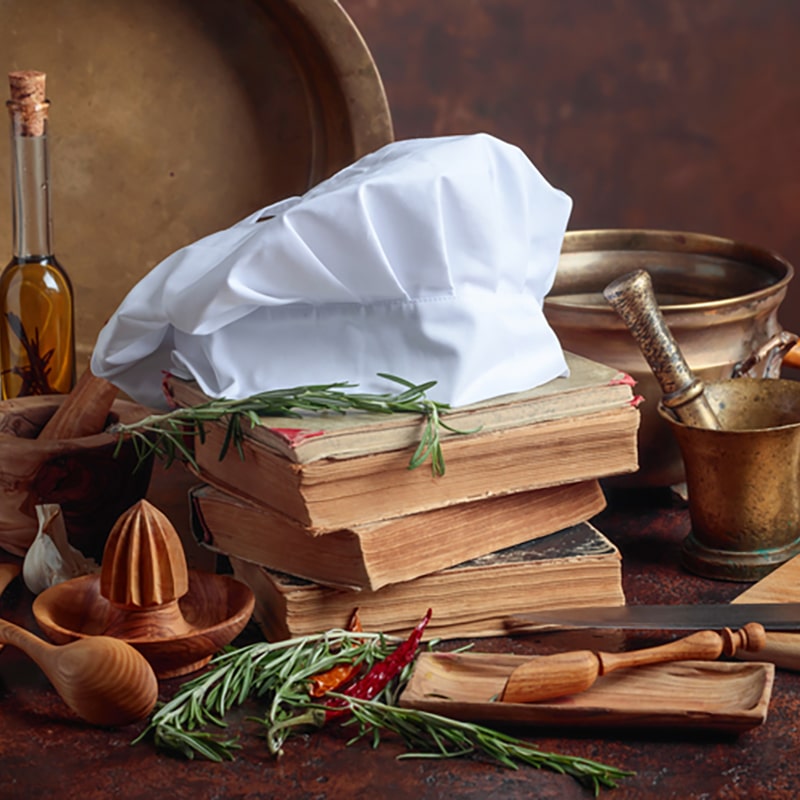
46 751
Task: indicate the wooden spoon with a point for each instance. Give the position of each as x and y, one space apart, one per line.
104 680
548 677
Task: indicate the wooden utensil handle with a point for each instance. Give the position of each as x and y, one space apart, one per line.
632 297
548 677
24 640
84 411
7 574
703 646
792 358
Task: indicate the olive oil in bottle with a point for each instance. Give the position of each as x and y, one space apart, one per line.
37 334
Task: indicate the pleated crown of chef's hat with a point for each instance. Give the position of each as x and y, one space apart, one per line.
428 259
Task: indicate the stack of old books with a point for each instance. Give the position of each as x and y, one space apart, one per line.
322 515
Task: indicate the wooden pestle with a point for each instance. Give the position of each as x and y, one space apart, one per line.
632 297
84 411
548 677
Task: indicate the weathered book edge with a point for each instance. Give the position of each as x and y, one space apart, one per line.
374 555
576 566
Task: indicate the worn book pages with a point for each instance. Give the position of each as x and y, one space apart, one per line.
373 555
573 567
327 494
590 388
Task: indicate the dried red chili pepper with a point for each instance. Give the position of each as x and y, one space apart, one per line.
337 676
379 675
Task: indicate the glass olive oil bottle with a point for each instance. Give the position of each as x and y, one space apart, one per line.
37 329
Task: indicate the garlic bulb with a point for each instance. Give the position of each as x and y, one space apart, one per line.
51 559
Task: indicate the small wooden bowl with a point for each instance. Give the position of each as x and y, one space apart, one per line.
211 614
92 485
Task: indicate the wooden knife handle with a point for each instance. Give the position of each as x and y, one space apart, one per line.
548 677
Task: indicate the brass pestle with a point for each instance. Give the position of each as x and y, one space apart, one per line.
632 297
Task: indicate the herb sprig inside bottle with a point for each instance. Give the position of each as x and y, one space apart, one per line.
165 435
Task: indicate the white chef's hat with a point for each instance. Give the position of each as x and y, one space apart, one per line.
428 259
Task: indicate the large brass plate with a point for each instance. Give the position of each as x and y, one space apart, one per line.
171 119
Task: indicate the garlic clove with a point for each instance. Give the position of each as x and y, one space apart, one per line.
51 559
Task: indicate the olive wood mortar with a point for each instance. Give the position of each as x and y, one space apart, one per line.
83 474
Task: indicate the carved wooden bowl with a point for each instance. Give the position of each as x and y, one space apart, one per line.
145 595
83 475
210 615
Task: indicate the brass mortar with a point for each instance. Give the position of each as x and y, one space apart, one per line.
743 479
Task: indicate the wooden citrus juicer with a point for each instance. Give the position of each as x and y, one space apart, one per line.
145 595
103 680
561 674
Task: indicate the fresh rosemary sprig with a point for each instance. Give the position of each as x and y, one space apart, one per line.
166 435
430 735
278 674
274 671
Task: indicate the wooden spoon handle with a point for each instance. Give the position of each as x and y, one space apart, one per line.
548 677
84 410
703 646
792 358
29 643
633 298
7 574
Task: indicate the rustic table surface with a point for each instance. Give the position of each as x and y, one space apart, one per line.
45 750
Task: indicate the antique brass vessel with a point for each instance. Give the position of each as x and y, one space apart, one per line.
743 480
720 299
740 444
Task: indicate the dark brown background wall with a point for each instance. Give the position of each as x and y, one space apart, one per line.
675 114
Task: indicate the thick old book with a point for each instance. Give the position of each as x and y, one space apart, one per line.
572 429
590 388
577 566
376 554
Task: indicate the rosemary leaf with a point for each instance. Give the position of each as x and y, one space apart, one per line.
278 674
165 435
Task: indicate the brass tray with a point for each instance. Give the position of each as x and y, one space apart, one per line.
723 696
172 119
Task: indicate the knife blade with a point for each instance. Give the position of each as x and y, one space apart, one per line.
773 616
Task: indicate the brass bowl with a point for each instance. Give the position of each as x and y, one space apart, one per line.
719 298
211 614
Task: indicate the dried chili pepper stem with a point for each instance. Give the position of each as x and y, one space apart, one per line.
338 676
381 672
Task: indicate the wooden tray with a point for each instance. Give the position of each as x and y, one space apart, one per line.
723 696
172 119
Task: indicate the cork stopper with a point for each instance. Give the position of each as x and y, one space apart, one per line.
28 100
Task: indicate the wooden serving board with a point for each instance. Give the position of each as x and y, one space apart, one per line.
724 696
782 585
